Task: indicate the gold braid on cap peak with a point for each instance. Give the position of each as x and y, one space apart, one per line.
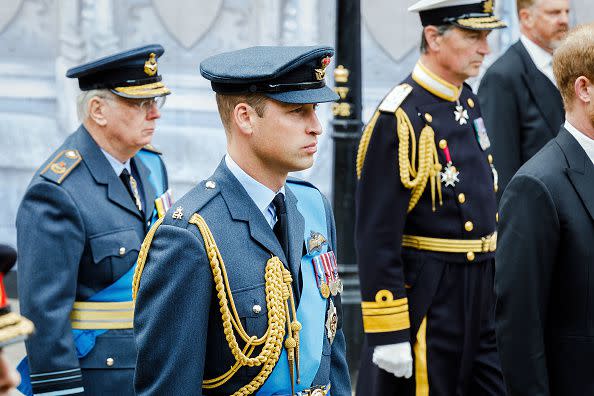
428 167
282 318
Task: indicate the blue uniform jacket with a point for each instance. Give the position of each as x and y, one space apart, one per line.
177 323
76 237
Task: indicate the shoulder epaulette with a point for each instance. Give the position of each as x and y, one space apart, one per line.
302 182
61 166
152 149
394 99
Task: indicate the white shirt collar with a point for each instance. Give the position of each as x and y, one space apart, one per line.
117 166
584 141
541 58
259 193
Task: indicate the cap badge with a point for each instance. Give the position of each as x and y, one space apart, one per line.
488 6
321 73
150 66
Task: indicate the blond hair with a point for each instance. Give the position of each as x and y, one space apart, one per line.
226 104
521 4
574 58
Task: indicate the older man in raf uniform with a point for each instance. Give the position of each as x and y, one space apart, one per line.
253 303
80 226
426 219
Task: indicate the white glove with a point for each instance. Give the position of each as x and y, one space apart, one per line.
394 358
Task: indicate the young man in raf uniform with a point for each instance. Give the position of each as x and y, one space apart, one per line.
426 219
80 226
240 292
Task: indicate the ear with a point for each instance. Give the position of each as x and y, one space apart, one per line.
433 37
526 17
583 89
242 117
96 109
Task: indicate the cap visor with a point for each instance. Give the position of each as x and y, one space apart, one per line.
480 23
142 91
318 95
14 328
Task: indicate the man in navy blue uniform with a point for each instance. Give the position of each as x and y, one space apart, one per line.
240 293
426 219
80 226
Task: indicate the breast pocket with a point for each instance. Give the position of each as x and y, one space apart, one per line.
250 304
115 252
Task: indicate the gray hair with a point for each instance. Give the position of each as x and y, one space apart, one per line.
441 30
83 99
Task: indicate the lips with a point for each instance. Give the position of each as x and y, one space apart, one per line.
311 148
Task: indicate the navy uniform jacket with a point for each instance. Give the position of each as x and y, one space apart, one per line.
177 323
75 237
468 210
544 275
522 109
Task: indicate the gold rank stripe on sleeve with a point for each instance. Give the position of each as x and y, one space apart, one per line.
385 314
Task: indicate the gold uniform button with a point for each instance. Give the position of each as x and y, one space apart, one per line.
443 144
468 226
428 117
256 309
461 198
470 256
109 362
470 102
122 251
490 158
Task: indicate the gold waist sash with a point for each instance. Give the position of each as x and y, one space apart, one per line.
102 315
484 245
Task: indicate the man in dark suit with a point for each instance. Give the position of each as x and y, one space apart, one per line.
518 94
240 291
545 261
80 226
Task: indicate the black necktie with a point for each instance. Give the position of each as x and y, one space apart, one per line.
280 228
132 187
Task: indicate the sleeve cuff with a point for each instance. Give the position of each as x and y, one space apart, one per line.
386 316
57 383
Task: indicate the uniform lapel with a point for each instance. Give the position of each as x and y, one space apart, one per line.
149 191
242 208
296 225
546 96
103 173
580 170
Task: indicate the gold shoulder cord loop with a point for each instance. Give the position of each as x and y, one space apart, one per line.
364 143
146 244
278 286
428 167
279 301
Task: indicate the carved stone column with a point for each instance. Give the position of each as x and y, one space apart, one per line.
70 53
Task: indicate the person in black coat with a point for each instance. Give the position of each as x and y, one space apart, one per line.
544 275
520 102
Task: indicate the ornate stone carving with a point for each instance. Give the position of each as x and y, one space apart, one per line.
187 20
8 10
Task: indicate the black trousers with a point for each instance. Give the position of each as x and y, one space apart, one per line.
454 348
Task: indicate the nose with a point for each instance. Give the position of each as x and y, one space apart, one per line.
564 17
315 126
153 113
484 46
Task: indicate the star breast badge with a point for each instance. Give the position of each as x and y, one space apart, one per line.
461 115
449 176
